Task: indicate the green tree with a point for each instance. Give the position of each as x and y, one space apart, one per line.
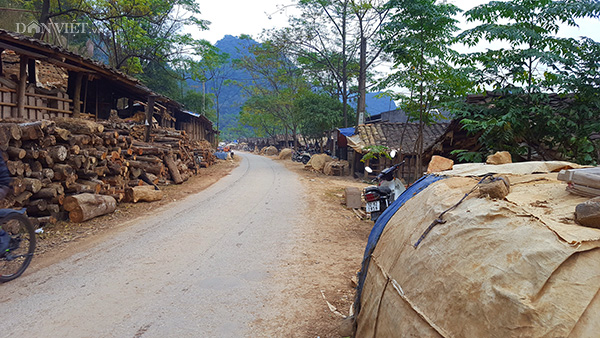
276 83
131 33
524 116
319 112
418 38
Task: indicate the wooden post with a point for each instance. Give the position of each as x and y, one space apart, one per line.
77 95
22 86
149 112
85 93
31 71
97 93
1 70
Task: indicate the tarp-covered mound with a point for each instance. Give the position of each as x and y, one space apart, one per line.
285 154
269 151
317 162
519 267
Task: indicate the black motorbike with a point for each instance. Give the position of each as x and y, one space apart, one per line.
379 197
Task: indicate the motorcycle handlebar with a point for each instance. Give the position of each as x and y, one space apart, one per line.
388 170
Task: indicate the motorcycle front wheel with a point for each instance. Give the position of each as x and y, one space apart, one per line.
17 257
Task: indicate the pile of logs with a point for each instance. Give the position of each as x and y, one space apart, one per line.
76 168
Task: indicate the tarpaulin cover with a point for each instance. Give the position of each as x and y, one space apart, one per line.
222 155
383 219
517 267
347 131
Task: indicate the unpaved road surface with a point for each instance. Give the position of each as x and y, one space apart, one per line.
200 267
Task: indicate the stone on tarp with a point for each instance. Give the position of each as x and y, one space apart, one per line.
439 163
497 188
353 197
500 157
285 154
588 213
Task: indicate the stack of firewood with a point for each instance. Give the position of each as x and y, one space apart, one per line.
52 160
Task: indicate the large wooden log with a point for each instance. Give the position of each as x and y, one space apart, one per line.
79 126
62 134
146 193
15 168
12 130
32 184
46 193
58 153
172 165
86 206
31 130
16 153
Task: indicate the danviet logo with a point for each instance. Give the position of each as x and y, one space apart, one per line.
59 27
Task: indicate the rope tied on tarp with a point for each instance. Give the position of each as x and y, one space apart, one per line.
440 218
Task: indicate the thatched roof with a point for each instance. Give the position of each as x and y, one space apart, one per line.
399 136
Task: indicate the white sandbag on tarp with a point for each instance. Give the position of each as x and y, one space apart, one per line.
518 267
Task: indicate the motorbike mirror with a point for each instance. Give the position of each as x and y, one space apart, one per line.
369 170
393 153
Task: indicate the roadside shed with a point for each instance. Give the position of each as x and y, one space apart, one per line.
43 81
403 137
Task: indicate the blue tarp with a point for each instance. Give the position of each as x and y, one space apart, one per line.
221 155
381 223
347 131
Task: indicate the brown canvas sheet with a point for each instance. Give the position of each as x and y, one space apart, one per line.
518 267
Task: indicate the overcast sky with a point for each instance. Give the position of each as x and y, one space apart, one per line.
236 17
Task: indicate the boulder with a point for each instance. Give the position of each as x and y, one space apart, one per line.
439 163
497 188
588 213
500 157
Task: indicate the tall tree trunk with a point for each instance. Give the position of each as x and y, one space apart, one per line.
344 67
362 82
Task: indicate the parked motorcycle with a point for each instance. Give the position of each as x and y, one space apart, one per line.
381 196
301 156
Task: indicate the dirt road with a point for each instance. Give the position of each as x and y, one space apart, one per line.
225 262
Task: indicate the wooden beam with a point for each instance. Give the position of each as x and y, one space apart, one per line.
70 66
1 70
77 95
149 113
22 51
22 87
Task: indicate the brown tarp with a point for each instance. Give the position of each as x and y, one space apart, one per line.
518 267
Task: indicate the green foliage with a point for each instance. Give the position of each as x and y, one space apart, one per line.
376 152
522 117
418 38
276 83
319 113
464 155
199 103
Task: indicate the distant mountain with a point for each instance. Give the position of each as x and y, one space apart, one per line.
376 105
231 97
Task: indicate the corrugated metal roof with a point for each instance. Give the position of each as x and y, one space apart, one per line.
400 136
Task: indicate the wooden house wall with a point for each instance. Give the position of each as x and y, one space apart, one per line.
37 106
